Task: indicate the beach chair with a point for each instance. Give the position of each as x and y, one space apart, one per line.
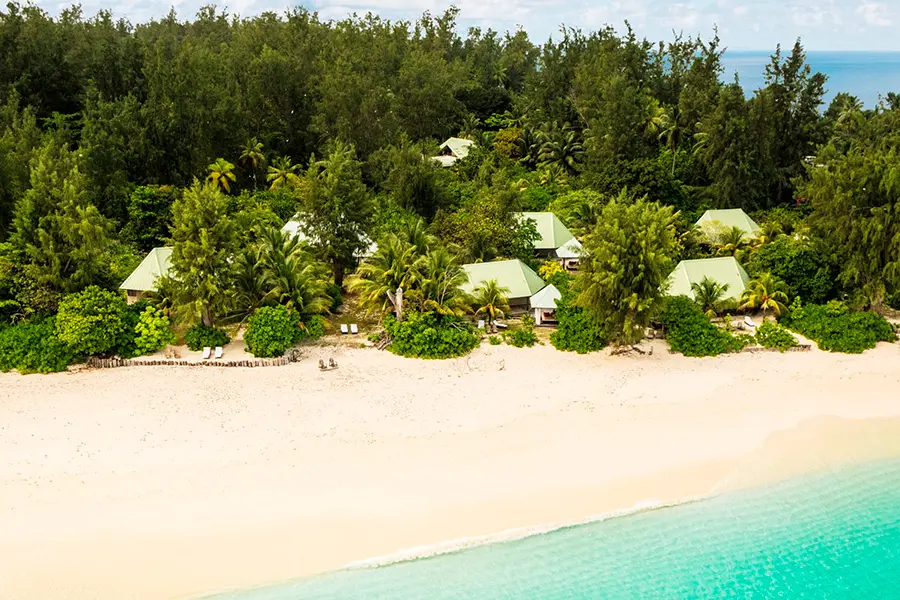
206 352
321 365
219 352
480 323
354 329
332 364
749 322
344 329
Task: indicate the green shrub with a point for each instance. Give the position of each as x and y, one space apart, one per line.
494 340
271 331
33 348
427 335
520 338
575 331
152 331
93 321
334 292
689 330
773 335
834 327
200 336
314 327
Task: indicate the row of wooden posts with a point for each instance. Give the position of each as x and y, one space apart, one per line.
109 363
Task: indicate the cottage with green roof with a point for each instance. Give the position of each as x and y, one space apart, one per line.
514 275
142 280
452 150
714 222
551 231
725 270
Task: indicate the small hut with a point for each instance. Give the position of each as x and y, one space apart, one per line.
543 304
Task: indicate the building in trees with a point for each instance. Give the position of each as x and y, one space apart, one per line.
543 304
724 271
514 275
142 280
452 150
294 228
715 222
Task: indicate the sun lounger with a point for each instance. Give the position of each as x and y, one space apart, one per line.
218 352
501 325
354 329
321 365
344 329
206 352
480 323
332 364
749 322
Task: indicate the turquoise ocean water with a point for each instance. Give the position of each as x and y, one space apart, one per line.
863 74
833 536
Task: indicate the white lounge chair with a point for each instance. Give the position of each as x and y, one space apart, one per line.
218 352
344 329
206 352
354 329
480 323
749 322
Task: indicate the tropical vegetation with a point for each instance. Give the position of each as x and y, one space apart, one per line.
207 134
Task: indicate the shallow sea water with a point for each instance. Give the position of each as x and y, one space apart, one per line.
834 535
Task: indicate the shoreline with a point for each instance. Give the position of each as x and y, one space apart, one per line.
774 448
223 479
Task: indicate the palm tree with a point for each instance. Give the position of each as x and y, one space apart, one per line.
415 232
561 147
655 118
708 295
392 266
491 301
249 282
283 173
252 156
892 99
529 146
671 134
440 284
295 280
765 293
470 127
733 241
220 173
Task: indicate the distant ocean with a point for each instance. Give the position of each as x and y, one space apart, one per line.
862 74
833 535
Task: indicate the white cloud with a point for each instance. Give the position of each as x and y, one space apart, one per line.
740 11
875 14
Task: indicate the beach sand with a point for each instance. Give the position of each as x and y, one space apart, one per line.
151 483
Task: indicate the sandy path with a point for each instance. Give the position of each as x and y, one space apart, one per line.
156 483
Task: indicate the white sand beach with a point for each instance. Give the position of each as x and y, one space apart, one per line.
154 483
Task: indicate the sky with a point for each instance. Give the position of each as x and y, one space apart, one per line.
743 24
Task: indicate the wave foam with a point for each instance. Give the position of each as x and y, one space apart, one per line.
509 535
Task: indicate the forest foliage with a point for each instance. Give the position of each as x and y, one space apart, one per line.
207 134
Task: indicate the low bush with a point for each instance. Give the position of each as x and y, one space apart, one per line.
834 327
271 331
689 330
314 327
152 331
427 335
93 321
575 331
200 336
522 338
494 340
773 335
33 348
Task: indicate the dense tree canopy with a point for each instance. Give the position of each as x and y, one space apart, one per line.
208 134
